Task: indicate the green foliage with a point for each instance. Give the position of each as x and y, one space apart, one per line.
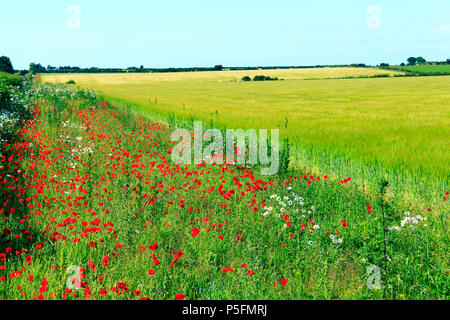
246 78
37 68
6 65
285 156
8 83
412 61
421 60
264 78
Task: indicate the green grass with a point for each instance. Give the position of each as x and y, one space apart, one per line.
391 128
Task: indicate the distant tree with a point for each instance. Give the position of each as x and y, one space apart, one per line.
358 65
218 67
51 68
246 78
384 64
448 61
6 65
402 64
420 60
412 61
264 78
37 68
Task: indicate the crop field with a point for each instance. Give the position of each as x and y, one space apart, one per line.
425 69
94 208
391 128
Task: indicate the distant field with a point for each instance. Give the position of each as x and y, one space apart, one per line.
426 69
287 74
397 128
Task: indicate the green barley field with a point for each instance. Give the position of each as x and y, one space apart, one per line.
395 128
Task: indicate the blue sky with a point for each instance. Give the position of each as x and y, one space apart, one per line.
172 33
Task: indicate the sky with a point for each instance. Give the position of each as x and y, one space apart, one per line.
195 33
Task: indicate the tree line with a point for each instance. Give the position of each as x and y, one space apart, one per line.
36 68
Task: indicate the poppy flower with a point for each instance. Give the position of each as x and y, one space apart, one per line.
180 296
195 232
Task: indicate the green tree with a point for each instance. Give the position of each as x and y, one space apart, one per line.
37 68
218 67
412 61
6 65
421 60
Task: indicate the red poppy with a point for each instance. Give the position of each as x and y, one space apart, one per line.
195 232
180 296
